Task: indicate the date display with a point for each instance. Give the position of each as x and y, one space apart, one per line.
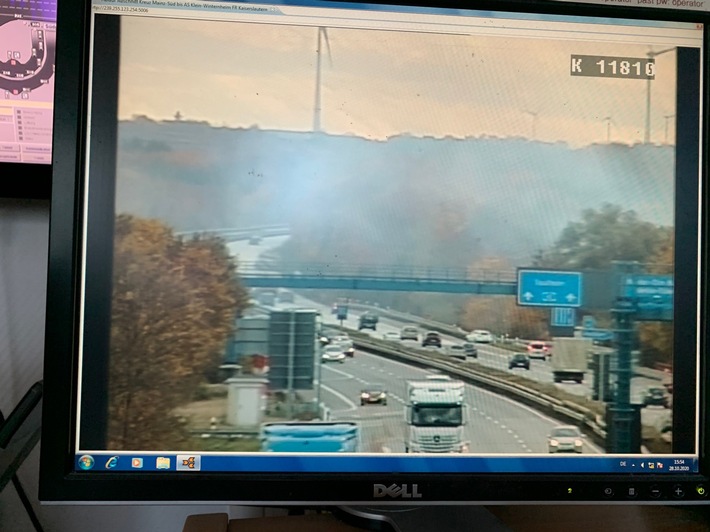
599 66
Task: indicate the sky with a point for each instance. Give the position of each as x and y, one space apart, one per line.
377 84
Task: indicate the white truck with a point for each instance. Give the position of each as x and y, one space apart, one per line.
435 414
569 359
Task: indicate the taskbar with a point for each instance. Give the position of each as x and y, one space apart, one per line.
557 463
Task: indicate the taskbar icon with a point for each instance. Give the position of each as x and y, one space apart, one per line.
188 462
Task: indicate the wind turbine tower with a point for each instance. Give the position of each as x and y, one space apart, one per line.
322 37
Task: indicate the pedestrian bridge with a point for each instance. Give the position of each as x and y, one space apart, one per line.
371 277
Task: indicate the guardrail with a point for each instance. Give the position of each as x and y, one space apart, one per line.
565 411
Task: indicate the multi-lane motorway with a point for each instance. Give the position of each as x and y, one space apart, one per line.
496 424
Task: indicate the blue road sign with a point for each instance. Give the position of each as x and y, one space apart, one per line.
538 288
589 322
562 317
649 291
342 312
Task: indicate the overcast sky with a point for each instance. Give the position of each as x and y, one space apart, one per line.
377 84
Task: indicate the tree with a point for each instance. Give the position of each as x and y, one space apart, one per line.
602 236
174 307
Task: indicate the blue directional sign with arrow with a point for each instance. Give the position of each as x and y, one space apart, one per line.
540 288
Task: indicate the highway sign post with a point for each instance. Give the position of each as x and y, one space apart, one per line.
548 288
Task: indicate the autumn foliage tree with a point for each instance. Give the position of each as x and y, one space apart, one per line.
174 306
602 236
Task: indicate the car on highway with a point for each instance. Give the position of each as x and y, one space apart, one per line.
538 349
332 353
470 349
373 393
409 332
480 336
565 439
431 338
456 351
345 343
656 396
254 240
519 360
327 335
391 336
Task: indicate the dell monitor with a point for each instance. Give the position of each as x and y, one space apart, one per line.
309 252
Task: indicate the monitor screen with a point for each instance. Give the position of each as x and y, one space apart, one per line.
325 252
27 49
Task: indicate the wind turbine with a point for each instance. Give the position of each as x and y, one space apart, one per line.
534 122
322 36
608 121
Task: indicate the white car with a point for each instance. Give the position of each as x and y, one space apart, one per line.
480 336
332 353
565 439
392 336
345 343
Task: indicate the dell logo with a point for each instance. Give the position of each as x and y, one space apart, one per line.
397 492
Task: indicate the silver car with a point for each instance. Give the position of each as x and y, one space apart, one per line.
565 439
333 353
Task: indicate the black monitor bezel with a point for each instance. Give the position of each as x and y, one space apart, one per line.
59 480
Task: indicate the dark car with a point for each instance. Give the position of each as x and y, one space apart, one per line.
373 393
655 396
470 349
432 338
519 360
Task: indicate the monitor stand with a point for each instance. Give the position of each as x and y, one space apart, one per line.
421 518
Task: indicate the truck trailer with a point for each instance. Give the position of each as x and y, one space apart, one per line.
569 359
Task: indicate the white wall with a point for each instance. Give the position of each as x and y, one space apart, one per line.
23 269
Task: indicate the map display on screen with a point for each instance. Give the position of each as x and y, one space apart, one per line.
27 48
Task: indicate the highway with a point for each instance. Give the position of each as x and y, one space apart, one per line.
495 424
488 355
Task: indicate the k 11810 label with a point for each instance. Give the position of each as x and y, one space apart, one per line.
600 66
